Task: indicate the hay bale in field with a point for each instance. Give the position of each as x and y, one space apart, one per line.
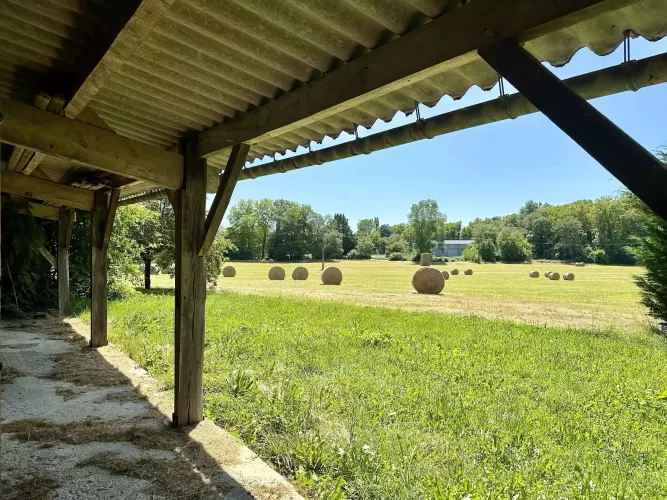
534 274
271 261
468 272
428 281
455 272
445 275
546 275
276 273
554 276
580 264
568 276
424 259
228 272
332 276
263 260
300 273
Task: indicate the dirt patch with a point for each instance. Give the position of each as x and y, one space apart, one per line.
8 374
20 346
95 430
169 478
86 368
37 488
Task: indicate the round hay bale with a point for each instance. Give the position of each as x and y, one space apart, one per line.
332 276
424 259
271 261
455 272
554 276
276 273
445 275
300 274
580 264
534 274
468 272
568 276
263 260
546 275
228 272
428 280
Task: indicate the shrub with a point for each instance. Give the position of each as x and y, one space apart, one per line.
355 254
471 254
513 245
397 256
487 250
439 260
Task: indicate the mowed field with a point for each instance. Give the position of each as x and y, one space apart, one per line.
600 296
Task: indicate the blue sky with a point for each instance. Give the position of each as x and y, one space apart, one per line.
480 172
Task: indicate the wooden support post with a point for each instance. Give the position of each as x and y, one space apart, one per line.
190 290
624 158
65 223
100 227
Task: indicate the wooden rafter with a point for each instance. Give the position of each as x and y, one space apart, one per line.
28 127
223 195
43 190
446 42
621 155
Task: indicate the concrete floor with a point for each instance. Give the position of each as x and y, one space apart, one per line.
79 423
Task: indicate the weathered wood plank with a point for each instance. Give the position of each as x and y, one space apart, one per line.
98 271
634 166
444 43
223 195
190 291
54 105
111 214
41 211
48 256
122 36
20 156
65 221
40 189
93 147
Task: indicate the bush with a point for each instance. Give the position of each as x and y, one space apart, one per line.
397 256
513 245
487 250
355 254
471 254
439 260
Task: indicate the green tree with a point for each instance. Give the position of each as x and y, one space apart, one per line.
541 237
453 230
366 227
428 223
570 239
342 225
513 245
245 230
293 236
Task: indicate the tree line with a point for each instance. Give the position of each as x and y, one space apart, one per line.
602 231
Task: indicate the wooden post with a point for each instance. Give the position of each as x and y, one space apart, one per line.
190 205
65 223
101 223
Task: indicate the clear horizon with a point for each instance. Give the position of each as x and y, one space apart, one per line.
481 172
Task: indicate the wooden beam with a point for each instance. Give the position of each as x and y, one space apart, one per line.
98 270
445 43
65 222
48 256
132 21
111 214
223 195
71 218
40 189
41 211
55 105
20 156
190 291
93 147
639 170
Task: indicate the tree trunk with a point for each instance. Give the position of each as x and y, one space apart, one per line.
147 273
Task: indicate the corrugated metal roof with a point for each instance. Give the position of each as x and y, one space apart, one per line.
207 61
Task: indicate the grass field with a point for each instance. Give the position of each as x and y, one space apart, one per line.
600 295
371 402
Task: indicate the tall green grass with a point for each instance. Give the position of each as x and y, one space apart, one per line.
358 402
